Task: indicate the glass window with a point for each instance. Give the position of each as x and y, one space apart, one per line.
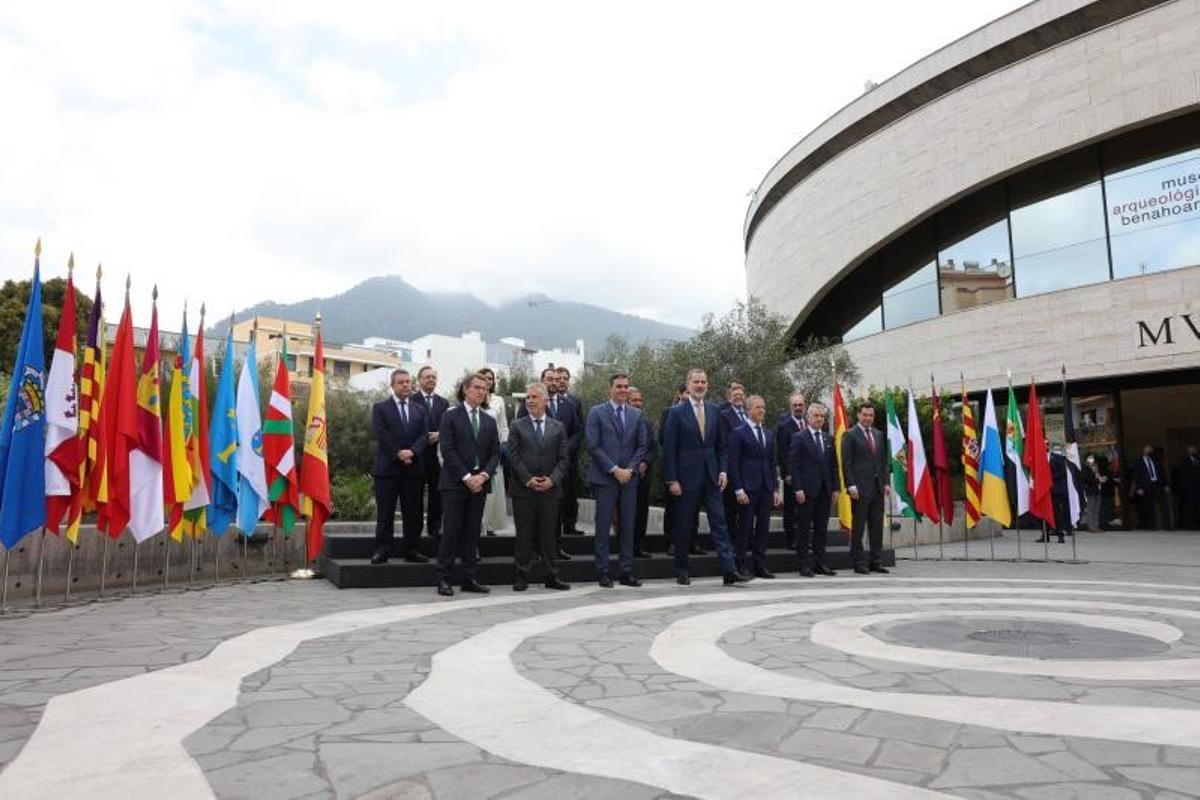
871 323
976 270
1059 242
291 362
913 299
1154 215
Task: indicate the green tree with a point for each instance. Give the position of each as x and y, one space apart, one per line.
14 300
951 425
812 368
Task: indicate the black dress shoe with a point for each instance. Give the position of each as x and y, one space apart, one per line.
605 582
416 558
562 555
445 589
806 573
880 568
1041 540
861 571
698 550
734 579
555 583
640 553
475 587
683 580
630 580
520 583
764 574
379 558
824 571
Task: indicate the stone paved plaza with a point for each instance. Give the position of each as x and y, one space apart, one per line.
975 679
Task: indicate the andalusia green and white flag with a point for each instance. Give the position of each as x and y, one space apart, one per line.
898 461
1014 449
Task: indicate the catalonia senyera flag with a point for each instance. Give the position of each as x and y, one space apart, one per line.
145 459
970 462
993 497
223 445
118 427
64 448
279 449
23 428
844 513
314 469
195 508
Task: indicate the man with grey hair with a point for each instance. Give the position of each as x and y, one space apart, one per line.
789 422
401 431
537 461
813 472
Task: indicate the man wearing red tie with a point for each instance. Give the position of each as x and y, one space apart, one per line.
864 460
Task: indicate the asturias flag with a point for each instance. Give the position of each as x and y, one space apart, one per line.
145 460
252 489
64 449
223 446
920 482
314 473
898 460
993 499
23 429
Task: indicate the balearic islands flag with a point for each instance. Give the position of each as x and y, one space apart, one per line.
920 482
898 459
64 450
993 490
145 459
252 486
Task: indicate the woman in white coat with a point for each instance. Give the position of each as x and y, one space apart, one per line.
495 509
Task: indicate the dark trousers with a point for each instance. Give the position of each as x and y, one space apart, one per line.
1062 514
669 504
687 507
733 511
867 513
754 526
433 508
1190 510
789 514
1154 512
536 518
569 510
642 515
812 523
621 502
408 490
462 516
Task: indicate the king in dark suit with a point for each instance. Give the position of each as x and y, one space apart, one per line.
537 463
864 467
401 432
470 448
814 486
435 406
616 441
694 467
753 476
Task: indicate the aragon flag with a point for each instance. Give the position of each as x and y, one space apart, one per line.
64 450
314 471
897 462
839 431
145 459
920 482
23 429
279 449
119 420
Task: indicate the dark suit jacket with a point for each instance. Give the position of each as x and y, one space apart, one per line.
653 445
528 459
686 457
729 417
436 408
861 470
570 414
812 470
392 436
1060 472
784 429
1141 475
460 449
751 465
608 448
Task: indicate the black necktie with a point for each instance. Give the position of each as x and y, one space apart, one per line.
537 431
817 439
404 413
761 441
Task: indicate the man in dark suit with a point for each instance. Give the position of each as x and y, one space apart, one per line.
1151 491
753 475
864 466
670 502
435 406
617 444
788 423
645 472
1060 500
813 472
1189 489
470 447
733 414
537 462
401 432
563 408
694 466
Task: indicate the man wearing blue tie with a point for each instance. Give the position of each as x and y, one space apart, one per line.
755 483
694 467
401 431
616 441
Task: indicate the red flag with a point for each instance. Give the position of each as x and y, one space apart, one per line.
941 464
314 469
64 449
1037 461
119 420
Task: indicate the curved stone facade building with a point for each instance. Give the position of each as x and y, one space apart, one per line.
1024 199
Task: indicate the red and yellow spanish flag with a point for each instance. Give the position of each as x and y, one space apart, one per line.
64 451
970 461
839 430
314 469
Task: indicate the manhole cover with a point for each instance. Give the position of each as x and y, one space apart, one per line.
1019 636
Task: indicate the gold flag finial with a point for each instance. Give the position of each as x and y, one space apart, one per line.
128 284
37 248
154 294
71 266
99 272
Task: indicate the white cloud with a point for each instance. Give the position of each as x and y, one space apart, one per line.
253 150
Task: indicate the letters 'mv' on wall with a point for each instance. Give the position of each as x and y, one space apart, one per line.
1175 332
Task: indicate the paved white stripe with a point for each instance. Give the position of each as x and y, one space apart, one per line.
125 738
847 635
689 647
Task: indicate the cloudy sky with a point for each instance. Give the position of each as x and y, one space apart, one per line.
283 149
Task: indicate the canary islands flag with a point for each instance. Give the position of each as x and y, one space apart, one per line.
994 493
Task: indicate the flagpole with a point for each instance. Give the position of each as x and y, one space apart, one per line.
136 547
938 484
916 519
103 565
1069 416
4 587
167 563
70 565
217 560
37 584
192 564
